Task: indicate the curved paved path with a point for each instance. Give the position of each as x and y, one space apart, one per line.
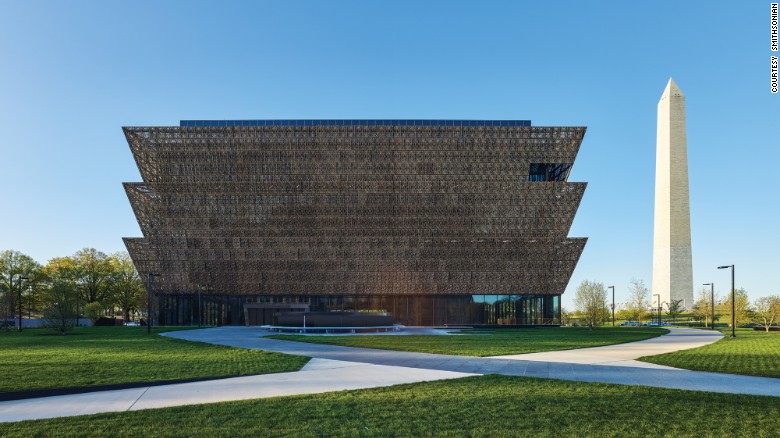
335 368
317 376
611 364
624 355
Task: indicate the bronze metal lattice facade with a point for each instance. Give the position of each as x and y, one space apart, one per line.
357 214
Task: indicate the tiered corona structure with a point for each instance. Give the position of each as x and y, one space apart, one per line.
434 221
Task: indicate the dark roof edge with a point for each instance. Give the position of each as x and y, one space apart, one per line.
354 122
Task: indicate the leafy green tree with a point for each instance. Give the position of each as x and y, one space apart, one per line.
14 266
638 300
64 270
93 311
591 302
566 316
90 271
702 307
127 289
742 307
59 300
623 314
94 274
674 308
767 310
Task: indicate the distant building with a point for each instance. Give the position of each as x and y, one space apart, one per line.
434 221
672 262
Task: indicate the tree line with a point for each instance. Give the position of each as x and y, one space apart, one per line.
89 283
593 308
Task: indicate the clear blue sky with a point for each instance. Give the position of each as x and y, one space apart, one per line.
73 73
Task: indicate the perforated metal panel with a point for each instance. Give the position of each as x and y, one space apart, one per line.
354 210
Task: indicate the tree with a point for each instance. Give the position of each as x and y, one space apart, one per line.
565 316
742 307
14 266
767 310
94 274
64 270
93 311
623 313
638 299
591 302
127 290
674 308
702 307
90 271
60 305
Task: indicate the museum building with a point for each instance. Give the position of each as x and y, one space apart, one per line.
436 222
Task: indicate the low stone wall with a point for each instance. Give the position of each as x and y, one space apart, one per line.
38 323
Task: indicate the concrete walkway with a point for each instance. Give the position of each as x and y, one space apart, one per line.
317 376
335 368
624 355
611 364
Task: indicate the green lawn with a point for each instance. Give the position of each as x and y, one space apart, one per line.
492 343
34 359
751 352
475 406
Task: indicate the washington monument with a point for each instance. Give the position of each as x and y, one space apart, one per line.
672 266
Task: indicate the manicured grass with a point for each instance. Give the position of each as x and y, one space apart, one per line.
751 352
34 360
475 406
492 343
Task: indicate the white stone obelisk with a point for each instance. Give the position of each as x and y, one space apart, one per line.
672 264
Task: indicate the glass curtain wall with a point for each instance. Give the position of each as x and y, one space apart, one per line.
423 310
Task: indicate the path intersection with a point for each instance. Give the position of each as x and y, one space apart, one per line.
336 368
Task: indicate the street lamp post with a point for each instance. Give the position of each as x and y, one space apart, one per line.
712 303
200 312
20 301
733 302
613 304
659 308
149 279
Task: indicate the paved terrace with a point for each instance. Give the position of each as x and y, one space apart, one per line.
337 368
